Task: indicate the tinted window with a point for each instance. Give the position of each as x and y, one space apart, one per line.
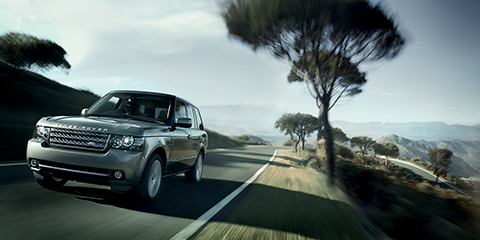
190 114
132 105
180 110
198 119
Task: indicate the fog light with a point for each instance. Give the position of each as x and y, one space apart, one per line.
34 163
118 174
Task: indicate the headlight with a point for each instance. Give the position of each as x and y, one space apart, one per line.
127 142
41 133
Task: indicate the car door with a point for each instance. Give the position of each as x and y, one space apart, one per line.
181 153
195 133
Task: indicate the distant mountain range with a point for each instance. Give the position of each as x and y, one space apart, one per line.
466 154
428 131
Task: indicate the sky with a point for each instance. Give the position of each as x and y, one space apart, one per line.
182 47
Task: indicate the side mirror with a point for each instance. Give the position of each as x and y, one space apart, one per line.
184 122
83 112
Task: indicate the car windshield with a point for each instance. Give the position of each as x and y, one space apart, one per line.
132 105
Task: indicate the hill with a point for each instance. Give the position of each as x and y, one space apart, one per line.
25 98
218 140
465 153
428 131
29 96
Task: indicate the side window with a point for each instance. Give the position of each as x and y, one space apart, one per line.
199 120
180 110
190 115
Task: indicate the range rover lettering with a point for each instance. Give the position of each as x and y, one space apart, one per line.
128 140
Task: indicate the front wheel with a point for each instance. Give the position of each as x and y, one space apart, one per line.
149 186
51 182
194 175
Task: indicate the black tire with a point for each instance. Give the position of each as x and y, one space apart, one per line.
194 175
51 182
148 189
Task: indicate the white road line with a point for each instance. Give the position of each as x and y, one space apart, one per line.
12 164
189 230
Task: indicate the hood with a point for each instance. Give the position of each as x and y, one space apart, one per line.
102 124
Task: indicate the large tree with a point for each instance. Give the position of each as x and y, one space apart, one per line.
324 41
440 158
28 52
298 126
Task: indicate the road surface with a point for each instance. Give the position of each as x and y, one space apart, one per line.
84 211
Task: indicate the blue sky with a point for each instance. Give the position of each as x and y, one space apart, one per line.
181 47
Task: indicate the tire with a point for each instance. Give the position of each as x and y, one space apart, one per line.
148 189
50 182
194 175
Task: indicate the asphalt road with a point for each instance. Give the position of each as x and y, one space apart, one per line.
84 211
421 172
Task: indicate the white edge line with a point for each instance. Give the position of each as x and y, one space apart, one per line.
193 227
12 164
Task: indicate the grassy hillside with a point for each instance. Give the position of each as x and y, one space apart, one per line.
396 199
465 153
218 140
27 97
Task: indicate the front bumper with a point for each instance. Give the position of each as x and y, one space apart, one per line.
87 166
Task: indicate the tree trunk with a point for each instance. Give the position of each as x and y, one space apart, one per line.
303 142
320 126
329 147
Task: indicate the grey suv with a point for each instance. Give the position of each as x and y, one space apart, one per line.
128 140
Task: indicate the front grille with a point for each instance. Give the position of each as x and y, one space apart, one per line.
79 138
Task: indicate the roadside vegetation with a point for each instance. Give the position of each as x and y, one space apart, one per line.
472 188
290 201
402 204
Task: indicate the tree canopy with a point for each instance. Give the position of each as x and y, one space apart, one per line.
298 126
28 52
324 41
387 149
364 143
338 135
440 158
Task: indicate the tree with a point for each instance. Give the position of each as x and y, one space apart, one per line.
440 158
298 126
243 138
377 149
364 143
323 40
338 135
28 52
389 149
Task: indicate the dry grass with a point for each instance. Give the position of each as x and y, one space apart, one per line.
290 201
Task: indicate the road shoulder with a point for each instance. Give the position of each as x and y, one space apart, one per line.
289 201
